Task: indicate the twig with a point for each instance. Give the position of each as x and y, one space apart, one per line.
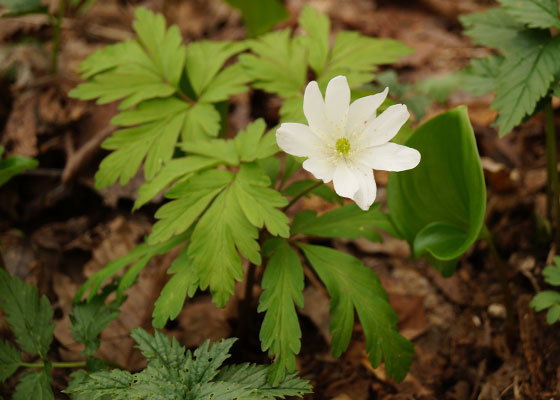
299 196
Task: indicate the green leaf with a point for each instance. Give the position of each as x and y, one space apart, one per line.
439 206
22 7
220 149
525 77
217 263
114 383
259 16
317 26
138 257
282 285
78 378
278 65
357 57
160 351
545 299
251 145
533 13
34 385
494 28
292 110
259 202
14 165
183 283
154 140
10 358
190 199
29 317
203 365
481 77
203 63
175 169
90 318
323 191
551 273
255 376
352 285
348 222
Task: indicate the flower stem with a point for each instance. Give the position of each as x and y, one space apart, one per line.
72 364
502 277
56 35
553 192
299 196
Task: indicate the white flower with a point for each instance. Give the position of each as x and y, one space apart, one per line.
344 141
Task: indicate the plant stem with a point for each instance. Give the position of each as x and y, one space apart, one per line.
71 364
299 196
502 277
553 191
56 35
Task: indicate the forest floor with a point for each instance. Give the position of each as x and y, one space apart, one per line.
56 229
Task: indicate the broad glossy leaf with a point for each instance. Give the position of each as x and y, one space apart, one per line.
439 206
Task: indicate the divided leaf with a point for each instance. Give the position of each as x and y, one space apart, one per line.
352 285
251 145
34 385
260 16
534 13
481 77
440 224
10 358
525 77
190 199
217 262
259 202
282 285
548 299
29 317
318 27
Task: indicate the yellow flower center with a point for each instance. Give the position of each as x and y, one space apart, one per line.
343 146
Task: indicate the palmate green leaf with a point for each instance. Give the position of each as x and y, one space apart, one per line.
494 28
282 285
204 363
317 26
259 16
10 358
190 199
29 317
138 257
352 285
175 169
255 376
348 222
148 68
14 165
534 13
220 149
357 57
160 351
439 206
204 62
77 378
183 283
551 273
259 202
251 145
217 263
90 318
278 64
481 77
115 384
525 77
34 385
548 299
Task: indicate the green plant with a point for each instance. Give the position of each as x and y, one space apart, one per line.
14 165
549 298
173 374
523 74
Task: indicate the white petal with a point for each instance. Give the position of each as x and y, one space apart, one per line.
365 196
385 126
314 108
363 109
320 168
337 101
298 140
390 157
345 181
